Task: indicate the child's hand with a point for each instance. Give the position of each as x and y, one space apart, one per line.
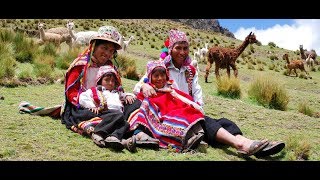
94 110
130 99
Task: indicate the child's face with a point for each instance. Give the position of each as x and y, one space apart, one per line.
159 78
109 82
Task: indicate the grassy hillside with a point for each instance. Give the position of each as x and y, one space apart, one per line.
25 137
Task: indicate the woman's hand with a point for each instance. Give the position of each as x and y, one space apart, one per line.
148 90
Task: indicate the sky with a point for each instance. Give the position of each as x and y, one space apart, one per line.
285 33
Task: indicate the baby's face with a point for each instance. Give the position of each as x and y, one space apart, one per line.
109 82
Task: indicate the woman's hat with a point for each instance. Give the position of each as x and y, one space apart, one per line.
108 33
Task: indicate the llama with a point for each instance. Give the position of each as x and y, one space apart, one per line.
226 57
48 37
204 51
64 32
294 64
197 54
126 43
80 38
310 61
304 53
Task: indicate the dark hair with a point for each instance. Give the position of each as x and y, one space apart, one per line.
108 75
159 69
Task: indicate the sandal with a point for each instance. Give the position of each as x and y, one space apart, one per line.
194 141
130 144
273 147
255 147
144 140
98 140
114 143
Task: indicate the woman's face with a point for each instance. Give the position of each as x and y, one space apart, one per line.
104 52
159 78
179 53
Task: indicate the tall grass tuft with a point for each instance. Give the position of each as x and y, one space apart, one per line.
65 59
304 108
25 48
298 148
7 61
126 66
229 87
44 66
269 93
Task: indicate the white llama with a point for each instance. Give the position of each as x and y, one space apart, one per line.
80 38
204 51
310 61
126 43
197 55
48 37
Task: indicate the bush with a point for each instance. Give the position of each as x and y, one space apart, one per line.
305 109
7 61
229 87
269 93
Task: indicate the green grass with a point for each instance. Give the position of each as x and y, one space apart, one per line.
26 137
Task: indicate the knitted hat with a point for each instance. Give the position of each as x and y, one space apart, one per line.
108 70
151 65
108 33
176 36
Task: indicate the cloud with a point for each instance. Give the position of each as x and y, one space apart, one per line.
304 32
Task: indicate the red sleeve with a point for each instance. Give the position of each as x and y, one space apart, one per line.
72 93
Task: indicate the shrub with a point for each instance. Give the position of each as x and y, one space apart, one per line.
305 109
269 93
7 61
126 66
229 87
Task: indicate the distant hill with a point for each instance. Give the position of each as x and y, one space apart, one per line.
206 24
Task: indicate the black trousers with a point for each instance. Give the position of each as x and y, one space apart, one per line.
112 124
211 126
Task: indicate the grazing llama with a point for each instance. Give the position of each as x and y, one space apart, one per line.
48 37
225 57
294 64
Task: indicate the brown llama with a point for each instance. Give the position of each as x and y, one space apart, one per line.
225 58
294 64
304 53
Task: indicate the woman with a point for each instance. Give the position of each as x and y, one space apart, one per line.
186 79
81 76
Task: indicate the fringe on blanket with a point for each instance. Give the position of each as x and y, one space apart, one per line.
28 108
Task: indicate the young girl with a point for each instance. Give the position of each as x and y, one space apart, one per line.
171 116
106 100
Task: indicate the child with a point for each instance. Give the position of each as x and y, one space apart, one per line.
106 100
171 116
